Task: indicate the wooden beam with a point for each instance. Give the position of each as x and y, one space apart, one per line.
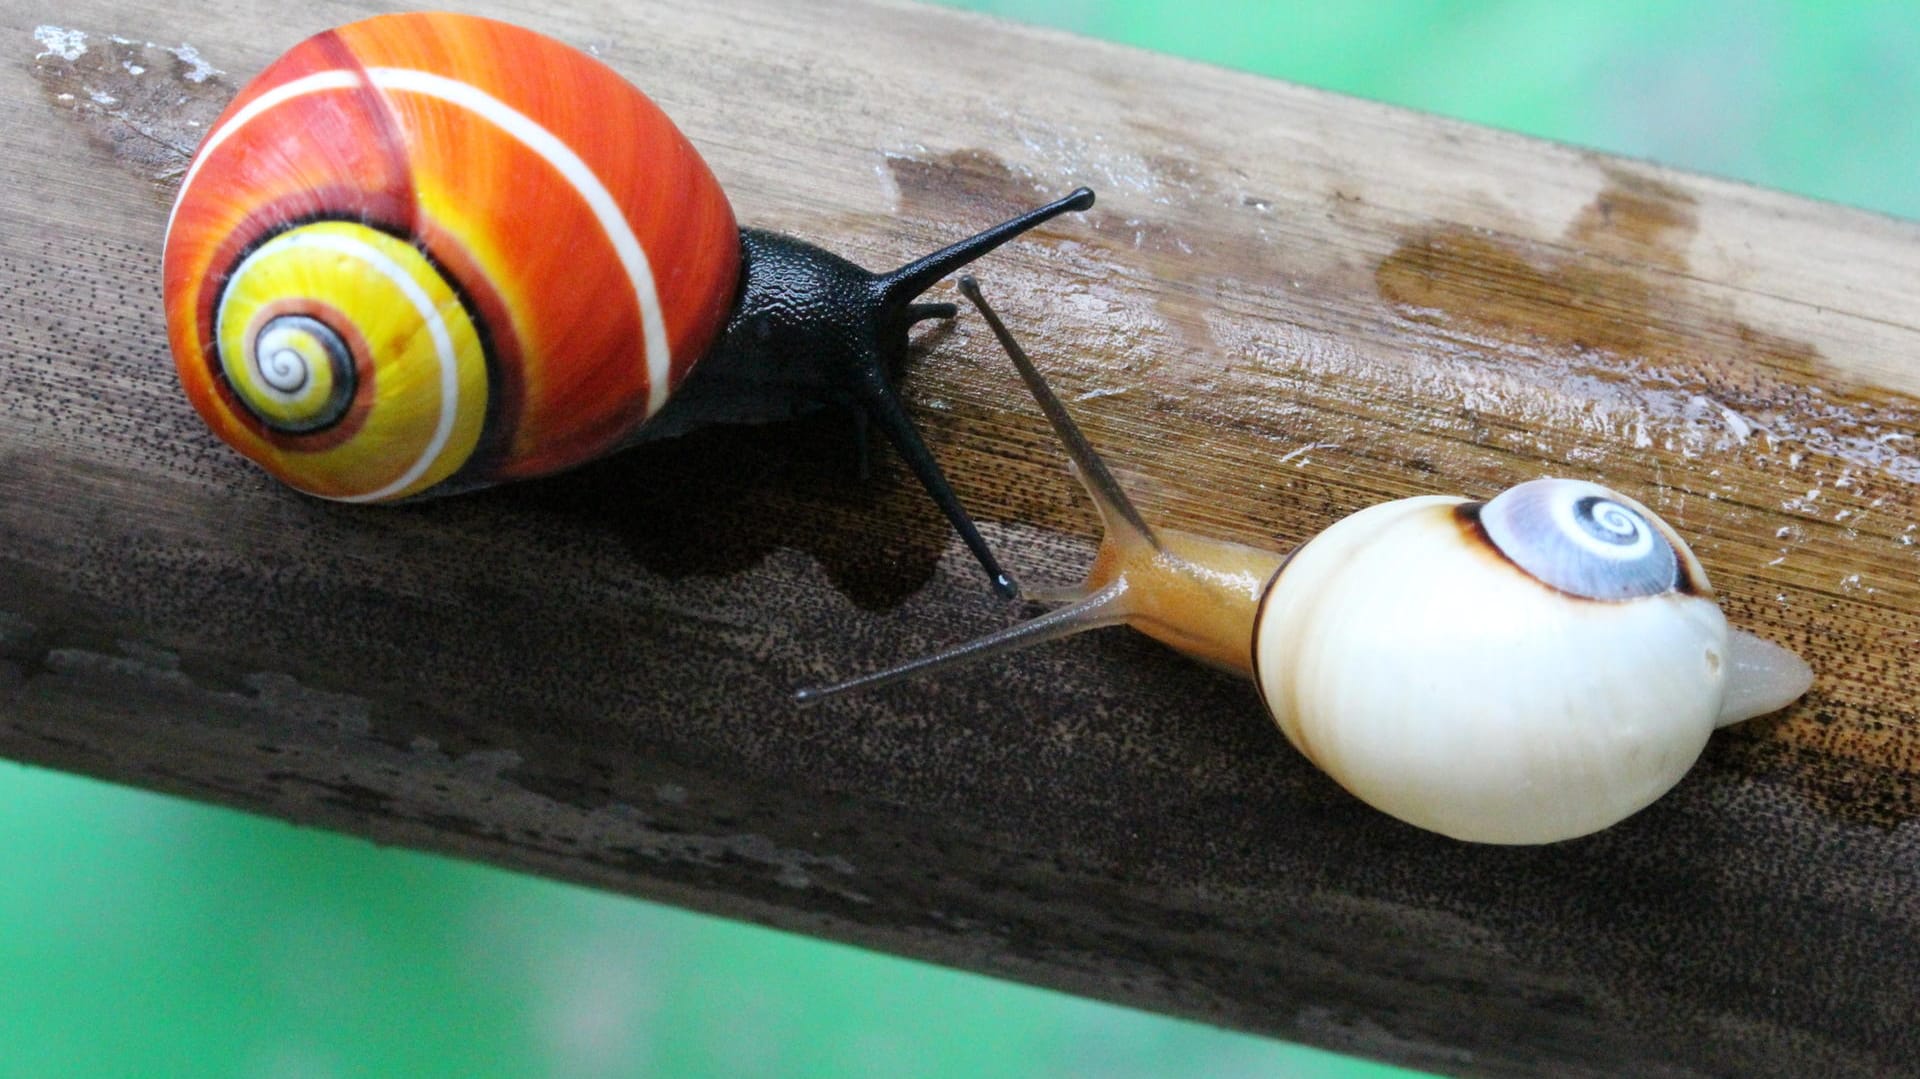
1286 306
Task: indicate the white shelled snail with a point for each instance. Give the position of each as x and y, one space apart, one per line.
1524 670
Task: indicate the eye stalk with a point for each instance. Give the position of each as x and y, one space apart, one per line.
815 328
1193 593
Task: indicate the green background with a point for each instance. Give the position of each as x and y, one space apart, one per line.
143 935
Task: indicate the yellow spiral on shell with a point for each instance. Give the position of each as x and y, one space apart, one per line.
377 340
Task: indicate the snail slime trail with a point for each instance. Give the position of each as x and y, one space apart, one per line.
425 253
1527 669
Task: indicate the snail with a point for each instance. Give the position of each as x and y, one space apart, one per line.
1526 669
424 253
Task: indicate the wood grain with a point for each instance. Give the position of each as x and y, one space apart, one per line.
1286 306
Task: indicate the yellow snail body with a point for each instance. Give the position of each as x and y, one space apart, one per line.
1527 669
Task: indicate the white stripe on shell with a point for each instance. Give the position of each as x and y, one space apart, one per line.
530 134
429 314
311 84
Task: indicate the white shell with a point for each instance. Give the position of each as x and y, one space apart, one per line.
1438 682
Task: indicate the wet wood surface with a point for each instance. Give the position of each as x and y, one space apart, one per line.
1285 307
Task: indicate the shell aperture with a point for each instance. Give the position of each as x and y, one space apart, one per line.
1587 541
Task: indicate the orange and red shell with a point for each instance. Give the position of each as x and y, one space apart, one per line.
427 252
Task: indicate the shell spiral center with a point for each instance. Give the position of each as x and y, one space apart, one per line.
1583 539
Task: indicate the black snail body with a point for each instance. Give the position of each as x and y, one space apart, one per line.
425 253
1521 670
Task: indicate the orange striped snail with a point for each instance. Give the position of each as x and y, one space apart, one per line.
429 252
1523 670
